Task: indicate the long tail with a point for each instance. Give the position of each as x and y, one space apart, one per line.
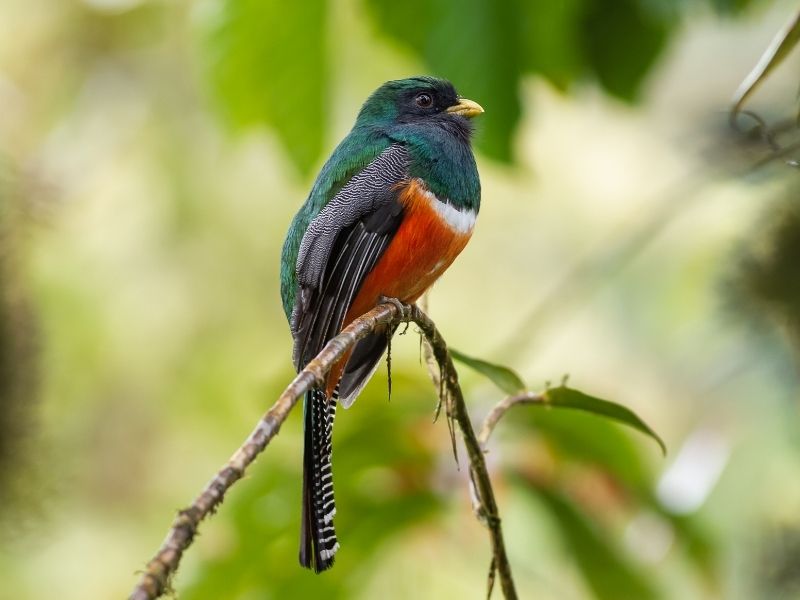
318 543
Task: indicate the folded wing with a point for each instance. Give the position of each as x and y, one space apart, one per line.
341 246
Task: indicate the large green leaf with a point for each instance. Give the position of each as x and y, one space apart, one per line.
503 377
731 7
550 40
475 44
622 40
564 397
266 62
609 574
577 437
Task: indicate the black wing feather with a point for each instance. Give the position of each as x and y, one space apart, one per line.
356 256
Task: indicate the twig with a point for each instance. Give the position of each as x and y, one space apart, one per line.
478 472
501 408
489 423
155 579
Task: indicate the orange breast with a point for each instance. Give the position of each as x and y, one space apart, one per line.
422 249
424 246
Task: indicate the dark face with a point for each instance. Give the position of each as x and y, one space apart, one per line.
415 101
425 100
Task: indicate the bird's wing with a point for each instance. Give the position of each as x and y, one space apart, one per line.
341 246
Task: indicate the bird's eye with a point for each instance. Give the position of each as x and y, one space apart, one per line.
424 100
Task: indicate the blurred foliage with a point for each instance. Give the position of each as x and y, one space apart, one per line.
267 66
609 574
564 397
387 490
587 472
17 348
154 281
485 47
780 562
767 286
475 45
561 397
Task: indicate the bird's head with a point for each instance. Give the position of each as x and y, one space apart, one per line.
415 100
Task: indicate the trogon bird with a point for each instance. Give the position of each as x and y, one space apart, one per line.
389 212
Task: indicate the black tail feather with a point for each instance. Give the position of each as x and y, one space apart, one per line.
362 364
318 543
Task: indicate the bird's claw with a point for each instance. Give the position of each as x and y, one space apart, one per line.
394 302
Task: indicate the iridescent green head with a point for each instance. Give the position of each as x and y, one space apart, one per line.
415 100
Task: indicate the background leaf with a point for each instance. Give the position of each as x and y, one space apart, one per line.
621 42
475 44
565 397
265 62
581 438
503 377
550 40
148 223
609 574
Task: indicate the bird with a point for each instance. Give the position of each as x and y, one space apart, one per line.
388 213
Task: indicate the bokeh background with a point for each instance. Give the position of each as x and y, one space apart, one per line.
152 154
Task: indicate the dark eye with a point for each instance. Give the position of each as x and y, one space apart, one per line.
424 100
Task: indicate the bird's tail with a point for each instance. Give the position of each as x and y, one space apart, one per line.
318 543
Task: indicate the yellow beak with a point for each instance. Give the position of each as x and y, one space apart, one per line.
465 108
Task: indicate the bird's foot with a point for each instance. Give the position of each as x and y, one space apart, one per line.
400 306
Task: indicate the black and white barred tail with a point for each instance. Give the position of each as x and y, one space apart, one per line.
318 543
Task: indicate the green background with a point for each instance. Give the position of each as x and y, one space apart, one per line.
152 154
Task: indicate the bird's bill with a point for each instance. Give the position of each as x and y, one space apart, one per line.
465 108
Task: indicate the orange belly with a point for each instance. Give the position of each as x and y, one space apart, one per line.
424 246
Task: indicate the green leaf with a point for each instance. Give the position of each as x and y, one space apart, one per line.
578 437
503 377
473 43
606 570
265 60
621 42
731 7
564 397
550 40
700 545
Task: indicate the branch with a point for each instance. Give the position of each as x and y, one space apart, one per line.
154 581
501 408
479 475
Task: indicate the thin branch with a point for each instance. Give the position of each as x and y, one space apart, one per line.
489 423
155 580
501 408
457 409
